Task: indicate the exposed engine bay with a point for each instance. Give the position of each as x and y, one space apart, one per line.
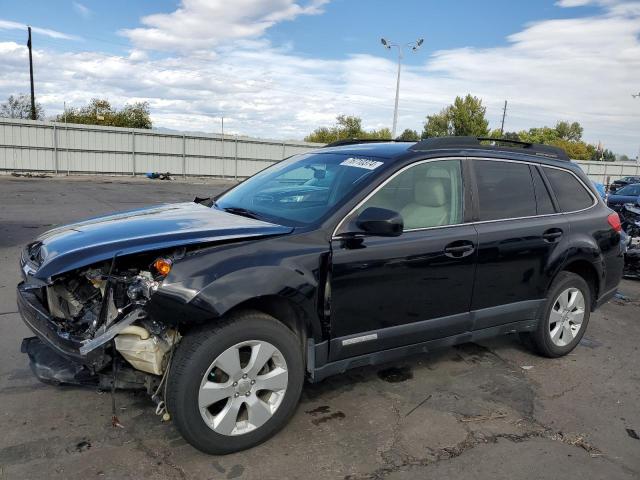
104 306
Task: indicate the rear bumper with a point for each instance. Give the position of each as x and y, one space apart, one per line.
36 317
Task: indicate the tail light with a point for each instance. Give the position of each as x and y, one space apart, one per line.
614 221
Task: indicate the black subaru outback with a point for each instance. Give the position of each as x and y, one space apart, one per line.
349 255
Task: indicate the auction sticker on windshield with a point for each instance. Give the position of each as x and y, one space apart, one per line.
361 163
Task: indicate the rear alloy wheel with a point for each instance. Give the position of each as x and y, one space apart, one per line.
235 383
565 317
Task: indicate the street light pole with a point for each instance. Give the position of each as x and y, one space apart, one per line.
414 48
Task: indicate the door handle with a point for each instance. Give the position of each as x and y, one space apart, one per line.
459 249
552 235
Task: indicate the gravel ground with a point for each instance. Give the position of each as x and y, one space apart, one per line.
489 410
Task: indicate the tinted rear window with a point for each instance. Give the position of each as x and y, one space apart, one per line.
570 193
505 190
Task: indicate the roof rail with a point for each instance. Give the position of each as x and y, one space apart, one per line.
353 141
435 143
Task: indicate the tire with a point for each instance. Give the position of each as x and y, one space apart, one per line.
204 368
546 339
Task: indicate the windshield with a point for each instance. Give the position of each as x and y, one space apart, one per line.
631 190
302 189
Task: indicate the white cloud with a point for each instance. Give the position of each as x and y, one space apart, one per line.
582 69
204 24
9 25
82 9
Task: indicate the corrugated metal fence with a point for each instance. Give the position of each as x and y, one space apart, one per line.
27 145
609 171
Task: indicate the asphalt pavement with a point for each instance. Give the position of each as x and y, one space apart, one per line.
489 410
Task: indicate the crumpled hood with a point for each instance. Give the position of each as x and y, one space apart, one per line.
79 244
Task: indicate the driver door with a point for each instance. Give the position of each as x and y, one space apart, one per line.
388 292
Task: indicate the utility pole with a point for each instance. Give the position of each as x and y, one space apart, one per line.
414 48
33 96
504 114
637 95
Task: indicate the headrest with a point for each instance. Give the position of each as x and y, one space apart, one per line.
430 192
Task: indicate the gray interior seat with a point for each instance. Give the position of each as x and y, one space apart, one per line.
429 207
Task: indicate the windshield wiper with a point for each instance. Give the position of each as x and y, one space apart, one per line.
242 211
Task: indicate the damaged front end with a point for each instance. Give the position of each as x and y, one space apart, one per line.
92 318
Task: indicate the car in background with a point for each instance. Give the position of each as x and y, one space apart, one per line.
626 194
602 190
622 182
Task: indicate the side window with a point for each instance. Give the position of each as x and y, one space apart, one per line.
571 194
505 190
429 194
543 199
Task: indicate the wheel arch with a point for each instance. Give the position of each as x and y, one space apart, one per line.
282 309
588 271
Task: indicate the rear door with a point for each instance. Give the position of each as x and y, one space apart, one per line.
519 234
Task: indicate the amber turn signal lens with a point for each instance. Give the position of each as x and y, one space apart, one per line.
163 266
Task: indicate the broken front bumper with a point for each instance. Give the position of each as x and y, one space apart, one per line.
36 317
55 354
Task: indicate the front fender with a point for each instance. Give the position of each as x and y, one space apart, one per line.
208 284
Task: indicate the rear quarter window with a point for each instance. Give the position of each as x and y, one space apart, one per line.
569 191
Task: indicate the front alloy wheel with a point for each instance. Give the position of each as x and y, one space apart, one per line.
243 387
235 382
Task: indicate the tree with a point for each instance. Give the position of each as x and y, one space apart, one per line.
20 107
438 125
495 133
569 131
604 155
565 135
409 136
345 127
465 117
100 112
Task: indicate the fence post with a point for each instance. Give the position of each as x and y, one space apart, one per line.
235 157
55 148
133 153
283 150
66 141
223 156
184 156
605 176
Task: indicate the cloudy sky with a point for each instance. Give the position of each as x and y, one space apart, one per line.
280 68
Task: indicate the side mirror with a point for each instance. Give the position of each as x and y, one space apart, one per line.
381 222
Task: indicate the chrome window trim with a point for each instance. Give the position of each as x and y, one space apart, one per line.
383 184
